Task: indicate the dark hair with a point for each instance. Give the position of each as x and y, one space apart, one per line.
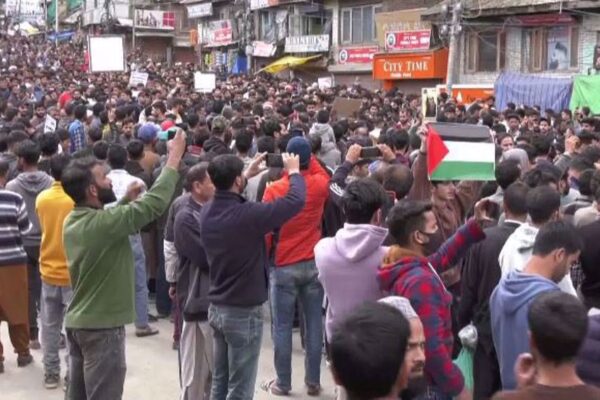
77 177
135 149
585 181
323 116
195 174
80 112
558 325
224 169
399 179
15 137
557 235
4 167
63 134
515 198
542 203
367 350
538 177
406 217
95 134
580 163
58 163
117 156
49 144
100 150
243 142
265 144
29 151
507 172
361 200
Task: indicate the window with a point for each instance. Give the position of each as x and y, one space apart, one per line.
358 24
318 23
553 49
267 26
485 51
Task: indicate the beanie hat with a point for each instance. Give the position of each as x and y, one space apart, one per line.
300 147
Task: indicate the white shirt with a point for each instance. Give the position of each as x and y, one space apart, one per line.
121 180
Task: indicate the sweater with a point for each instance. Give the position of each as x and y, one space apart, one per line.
417 278
100 259
15 224
29 185
53 206
509 306
233 235
348 265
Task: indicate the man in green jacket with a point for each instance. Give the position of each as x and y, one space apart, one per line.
101 266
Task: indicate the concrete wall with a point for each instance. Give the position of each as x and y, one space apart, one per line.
517 53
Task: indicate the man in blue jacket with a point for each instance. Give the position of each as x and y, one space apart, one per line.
556 248
232 232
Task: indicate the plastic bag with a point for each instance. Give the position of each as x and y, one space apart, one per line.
464 362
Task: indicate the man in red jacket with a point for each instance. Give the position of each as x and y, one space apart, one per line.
295 274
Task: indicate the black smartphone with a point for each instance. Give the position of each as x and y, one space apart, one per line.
274 160
370 152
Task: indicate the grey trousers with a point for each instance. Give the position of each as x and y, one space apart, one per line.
196 352
54 303
96 364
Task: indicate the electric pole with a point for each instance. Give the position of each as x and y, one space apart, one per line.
452 10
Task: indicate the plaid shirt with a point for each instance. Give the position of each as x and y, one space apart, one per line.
76 136
416 278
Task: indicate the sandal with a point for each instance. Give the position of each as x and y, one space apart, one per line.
272 388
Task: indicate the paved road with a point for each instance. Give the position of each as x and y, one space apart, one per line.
151 370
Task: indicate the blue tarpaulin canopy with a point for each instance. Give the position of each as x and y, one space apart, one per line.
530 90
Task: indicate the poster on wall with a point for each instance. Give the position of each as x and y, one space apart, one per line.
155 19
559 48
106 53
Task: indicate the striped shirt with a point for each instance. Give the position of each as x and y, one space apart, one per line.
14 223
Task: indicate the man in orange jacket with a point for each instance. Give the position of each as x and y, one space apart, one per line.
294 275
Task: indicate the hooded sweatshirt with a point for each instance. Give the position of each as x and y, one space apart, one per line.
348 265
29 185
329 152
509 305
517 251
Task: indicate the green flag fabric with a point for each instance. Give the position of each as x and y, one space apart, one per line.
585 93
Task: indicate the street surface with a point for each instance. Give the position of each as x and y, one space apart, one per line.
152 371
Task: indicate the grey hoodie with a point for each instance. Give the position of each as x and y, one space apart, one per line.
347 265
329 152
517 252
29 185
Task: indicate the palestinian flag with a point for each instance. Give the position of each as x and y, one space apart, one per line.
460 152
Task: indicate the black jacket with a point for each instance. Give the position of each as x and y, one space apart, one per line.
214 147
589 354
480 276
590 262
192 272
232 232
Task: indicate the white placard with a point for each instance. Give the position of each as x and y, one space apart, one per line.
325 83
106 54
138 77
204 83
49 124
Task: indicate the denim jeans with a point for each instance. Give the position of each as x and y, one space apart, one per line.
433 393
96 363
297 281
237 337
54 303
141 283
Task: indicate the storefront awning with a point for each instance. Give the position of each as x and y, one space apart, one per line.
287 62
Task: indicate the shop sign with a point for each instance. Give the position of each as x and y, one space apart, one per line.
357 55
262 49
408 40
218 33
429 65
307 44
199 10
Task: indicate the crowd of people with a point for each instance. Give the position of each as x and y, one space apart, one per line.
260 193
